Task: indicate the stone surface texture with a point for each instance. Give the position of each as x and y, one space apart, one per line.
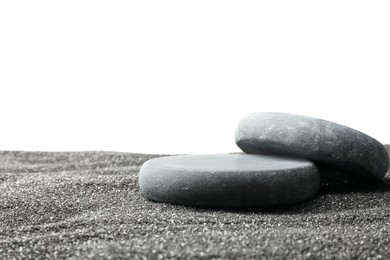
228 180
332 146
387 146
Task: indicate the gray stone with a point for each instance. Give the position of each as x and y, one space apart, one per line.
228 180
387 146
332 146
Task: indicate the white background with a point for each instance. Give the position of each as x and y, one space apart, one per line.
176 76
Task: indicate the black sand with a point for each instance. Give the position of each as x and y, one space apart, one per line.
87 205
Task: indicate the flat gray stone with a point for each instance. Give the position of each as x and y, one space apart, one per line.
228 180
332 146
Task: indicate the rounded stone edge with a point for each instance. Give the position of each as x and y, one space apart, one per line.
370 172
176 194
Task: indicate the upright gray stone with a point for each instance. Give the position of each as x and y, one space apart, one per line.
332 146
228 180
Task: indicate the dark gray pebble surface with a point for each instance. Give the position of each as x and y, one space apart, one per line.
332 146
229 180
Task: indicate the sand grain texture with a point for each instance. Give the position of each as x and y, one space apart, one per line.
87 205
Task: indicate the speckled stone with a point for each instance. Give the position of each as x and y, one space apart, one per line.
332 146
228 180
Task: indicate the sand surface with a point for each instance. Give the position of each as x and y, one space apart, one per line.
82 205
